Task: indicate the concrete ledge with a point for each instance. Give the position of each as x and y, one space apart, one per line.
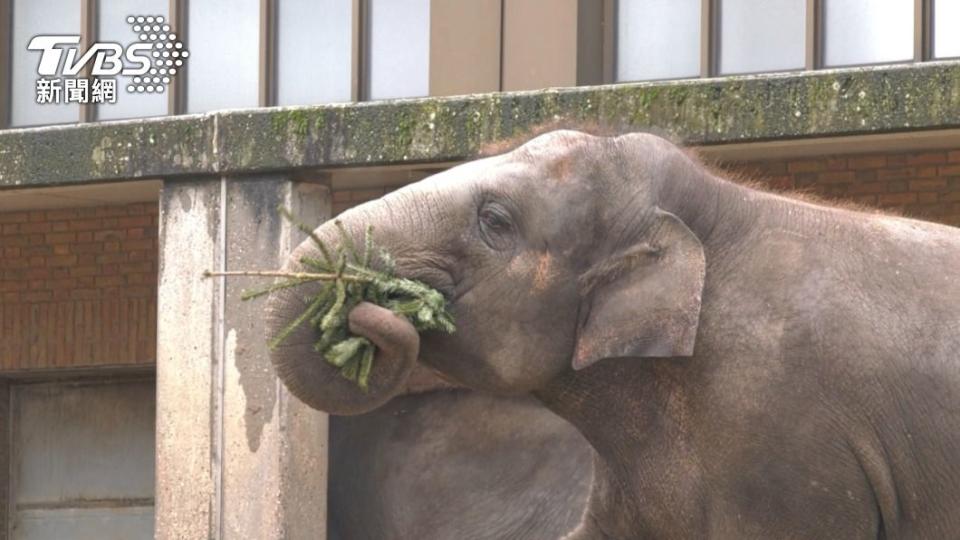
700 112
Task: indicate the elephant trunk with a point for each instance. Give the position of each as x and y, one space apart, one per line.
306 373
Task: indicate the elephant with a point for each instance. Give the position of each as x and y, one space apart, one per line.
743 364
452 463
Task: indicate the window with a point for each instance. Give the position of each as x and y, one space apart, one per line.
657 39
112 26
82 460
314 51
32 17
762 36
946 28
398 55
224 43
867 31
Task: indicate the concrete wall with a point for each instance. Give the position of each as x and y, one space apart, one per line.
922 184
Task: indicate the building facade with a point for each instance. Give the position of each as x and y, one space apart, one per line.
135 396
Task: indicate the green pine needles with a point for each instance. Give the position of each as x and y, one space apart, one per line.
348 280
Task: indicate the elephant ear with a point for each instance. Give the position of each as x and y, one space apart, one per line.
643 301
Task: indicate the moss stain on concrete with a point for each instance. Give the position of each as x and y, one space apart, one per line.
709 111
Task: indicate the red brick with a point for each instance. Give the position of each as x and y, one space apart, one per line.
135 234
136 268
836 164
111 258
341 196
86 224
111 247
897 160
35 227
928 185
131 245
953 156
897 198
59 226
86 259
929 158
38 215
133 221
61 238
867 162
31 251
62 260
925 198
14 217
37 296
109 281
896 174
950 170
84 294
12 228
61 284
85 236
833 177
806 166
86 248
137 209
11 252
103 236
80 271
870 187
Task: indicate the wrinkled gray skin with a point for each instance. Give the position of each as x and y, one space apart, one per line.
456 464
745 365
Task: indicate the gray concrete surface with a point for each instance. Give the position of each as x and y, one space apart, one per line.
237 457
825 103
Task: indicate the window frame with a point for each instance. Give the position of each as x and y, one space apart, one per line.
711 30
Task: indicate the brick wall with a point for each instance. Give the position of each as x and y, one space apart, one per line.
78 287
925 185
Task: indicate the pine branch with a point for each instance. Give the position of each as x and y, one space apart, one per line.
348 280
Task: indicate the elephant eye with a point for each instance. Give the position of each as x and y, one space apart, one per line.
496 226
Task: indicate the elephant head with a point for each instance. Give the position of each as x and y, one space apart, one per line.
552 257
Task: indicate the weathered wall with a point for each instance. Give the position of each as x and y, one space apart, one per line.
925 185
78 287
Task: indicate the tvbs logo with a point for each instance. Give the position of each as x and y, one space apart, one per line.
107 57
149 63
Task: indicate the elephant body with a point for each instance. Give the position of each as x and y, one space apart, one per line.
456 464
743 364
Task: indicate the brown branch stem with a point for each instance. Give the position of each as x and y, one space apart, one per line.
305 276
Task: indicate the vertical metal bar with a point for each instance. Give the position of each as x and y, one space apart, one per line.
6 69
609 41
357 62
922 30
503 29
707 10
177 90
268 53
88 35
918 30
812 37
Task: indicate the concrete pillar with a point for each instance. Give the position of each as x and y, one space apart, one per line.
237 456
